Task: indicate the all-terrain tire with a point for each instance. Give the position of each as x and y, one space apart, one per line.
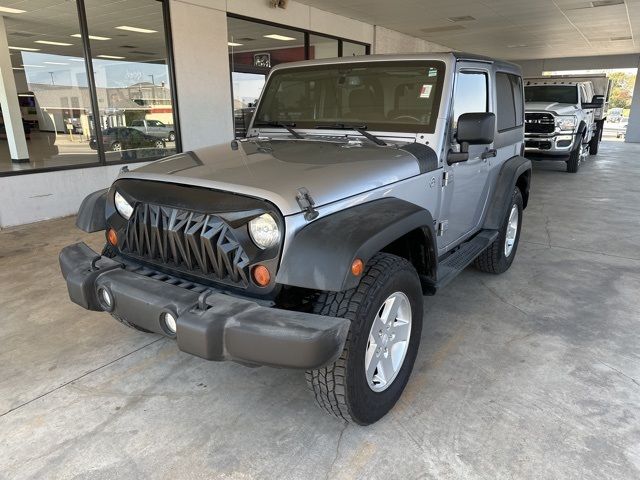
341 388
494 259
573 163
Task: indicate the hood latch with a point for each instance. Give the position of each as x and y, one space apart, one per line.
307 204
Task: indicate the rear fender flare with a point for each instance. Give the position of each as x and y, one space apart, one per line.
514 169
321 253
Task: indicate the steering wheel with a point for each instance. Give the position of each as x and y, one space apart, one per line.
400 117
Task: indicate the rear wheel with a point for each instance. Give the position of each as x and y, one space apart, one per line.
172 136
116 146
385 310
159 144
498 257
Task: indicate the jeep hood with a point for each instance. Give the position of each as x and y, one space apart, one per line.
274 169
553 107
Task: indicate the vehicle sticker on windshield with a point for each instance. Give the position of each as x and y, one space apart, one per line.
425 91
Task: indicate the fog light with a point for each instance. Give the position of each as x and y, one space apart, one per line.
168 322
105 298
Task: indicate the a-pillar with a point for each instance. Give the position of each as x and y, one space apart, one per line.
9 102
633 128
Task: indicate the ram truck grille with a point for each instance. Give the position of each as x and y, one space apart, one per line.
539 123
187 241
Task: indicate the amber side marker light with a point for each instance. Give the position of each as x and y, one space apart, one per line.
261 275
357 267
112 237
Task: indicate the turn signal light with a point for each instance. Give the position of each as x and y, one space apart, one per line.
261 275
112 237
357 267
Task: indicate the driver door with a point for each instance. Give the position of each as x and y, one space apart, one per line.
466 191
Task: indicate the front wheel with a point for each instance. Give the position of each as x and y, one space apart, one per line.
172 136
498 257
577 155
159 144
385 310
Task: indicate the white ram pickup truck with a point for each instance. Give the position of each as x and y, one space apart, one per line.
564 117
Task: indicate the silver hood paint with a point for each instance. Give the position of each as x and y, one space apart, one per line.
551 107
273 169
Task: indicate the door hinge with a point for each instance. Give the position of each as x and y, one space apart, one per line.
447 178
442 227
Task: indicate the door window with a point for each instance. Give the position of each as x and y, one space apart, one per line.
471 94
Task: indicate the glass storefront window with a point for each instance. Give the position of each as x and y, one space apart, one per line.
46 120
256 47
350 49
322 47
132 79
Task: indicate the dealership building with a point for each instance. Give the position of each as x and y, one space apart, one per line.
88 86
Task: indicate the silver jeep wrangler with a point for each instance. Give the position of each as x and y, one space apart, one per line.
364 184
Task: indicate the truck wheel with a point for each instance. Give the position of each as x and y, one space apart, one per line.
498 257
594 143
575 157
385 310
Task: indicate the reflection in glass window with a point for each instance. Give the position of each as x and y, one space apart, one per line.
256 47
350 49
471 94
132 80
46 120
322 47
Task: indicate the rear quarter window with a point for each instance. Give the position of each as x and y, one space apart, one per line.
510 102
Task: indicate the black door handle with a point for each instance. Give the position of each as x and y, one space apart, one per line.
489 153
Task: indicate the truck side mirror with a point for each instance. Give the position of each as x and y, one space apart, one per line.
596 102
473 129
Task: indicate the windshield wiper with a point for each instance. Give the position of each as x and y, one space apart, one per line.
361 129
288 126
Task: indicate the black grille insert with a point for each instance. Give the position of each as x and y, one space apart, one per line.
189 241
539 123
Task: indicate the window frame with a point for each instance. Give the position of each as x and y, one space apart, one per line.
510 76
93 97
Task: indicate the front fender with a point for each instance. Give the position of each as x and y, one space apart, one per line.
91 216
321 253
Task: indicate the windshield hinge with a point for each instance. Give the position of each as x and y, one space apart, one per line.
447 178
307 204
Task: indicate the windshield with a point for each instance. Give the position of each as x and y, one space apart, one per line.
383 96
551 93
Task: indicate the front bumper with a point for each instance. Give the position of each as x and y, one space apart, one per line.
211 325
554 144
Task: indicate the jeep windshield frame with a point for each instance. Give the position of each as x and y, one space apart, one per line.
390 96
551 94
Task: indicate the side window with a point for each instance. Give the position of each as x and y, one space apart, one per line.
509 101
471 94
137 123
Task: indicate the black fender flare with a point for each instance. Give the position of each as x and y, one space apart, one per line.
91 216
511 170
321 253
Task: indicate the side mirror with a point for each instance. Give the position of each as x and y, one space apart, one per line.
473 129
596 102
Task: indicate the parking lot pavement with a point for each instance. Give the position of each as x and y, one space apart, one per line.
533 374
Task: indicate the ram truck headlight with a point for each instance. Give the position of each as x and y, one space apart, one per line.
123 207
264 231
564 123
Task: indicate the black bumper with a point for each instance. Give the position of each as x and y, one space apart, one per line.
214 326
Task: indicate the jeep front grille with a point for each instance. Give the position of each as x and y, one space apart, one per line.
191 242
539 123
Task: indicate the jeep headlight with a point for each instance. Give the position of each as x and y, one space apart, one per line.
568 122
264 231
123 207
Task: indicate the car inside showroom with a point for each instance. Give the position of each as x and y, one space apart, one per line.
319 239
